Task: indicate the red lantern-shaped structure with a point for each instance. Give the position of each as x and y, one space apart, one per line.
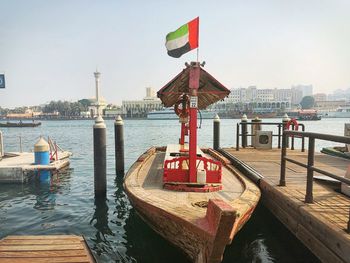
186 168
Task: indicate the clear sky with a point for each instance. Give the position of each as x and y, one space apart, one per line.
50 49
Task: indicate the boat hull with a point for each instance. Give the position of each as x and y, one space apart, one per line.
19 125
202 239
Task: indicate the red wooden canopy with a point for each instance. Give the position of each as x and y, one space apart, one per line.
210 90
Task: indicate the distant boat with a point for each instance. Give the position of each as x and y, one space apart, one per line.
340 112
308 115
20 124
169 114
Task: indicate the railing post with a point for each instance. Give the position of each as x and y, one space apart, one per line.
237 137
279 136
283 160
310 171
244 130
292 147
303 139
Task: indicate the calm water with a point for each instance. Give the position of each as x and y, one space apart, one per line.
113 230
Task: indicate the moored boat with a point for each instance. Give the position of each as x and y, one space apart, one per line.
192 197
20 124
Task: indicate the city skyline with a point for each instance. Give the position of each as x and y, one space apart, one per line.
49 51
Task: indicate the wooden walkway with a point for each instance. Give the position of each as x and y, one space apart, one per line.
48 249
321 226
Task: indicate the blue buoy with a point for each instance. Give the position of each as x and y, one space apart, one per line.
42 156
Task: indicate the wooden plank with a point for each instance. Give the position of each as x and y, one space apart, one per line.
39 247
42 249
45 237
46 260
66 241
50 253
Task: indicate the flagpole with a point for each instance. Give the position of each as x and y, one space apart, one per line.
197 54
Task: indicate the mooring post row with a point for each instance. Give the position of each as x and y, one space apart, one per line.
310 171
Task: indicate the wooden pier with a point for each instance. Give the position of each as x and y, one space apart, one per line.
322 225
40 249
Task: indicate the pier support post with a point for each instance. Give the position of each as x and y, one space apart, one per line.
100 182
216 143
119 146
244 121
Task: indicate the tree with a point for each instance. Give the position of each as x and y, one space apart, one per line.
307 102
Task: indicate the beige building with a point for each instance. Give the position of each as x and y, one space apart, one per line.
140 108
320 97
329 105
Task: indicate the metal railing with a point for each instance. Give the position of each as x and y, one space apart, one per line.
280 125
310 160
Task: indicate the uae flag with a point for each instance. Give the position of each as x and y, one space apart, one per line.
183 39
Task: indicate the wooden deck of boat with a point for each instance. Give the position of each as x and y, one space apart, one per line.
48 249
321 226
149 186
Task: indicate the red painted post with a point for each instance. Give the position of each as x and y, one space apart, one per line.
182 138
193 87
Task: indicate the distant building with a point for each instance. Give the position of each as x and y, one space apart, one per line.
26 115
320 97
258 100
93 106
140 108
329 105
307 90
113 112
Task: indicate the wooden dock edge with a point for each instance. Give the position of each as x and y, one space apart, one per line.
325 241
317 235
45 248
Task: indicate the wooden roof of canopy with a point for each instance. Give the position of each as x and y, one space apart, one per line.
210 90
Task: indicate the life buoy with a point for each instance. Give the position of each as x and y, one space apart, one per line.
290 122
182 113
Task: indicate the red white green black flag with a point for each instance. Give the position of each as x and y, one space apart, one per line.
183 39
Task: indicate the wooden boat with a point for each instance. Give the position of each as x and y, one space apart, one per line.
201 224
20 124
192 197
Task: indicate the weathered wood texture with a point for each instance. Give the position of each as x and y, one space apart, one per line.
321 226
40 249
179 216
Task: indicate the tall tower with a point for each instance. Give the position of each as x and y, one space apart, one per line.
97 84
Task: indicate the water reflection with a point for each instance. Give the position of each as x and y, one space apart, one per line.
45 196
